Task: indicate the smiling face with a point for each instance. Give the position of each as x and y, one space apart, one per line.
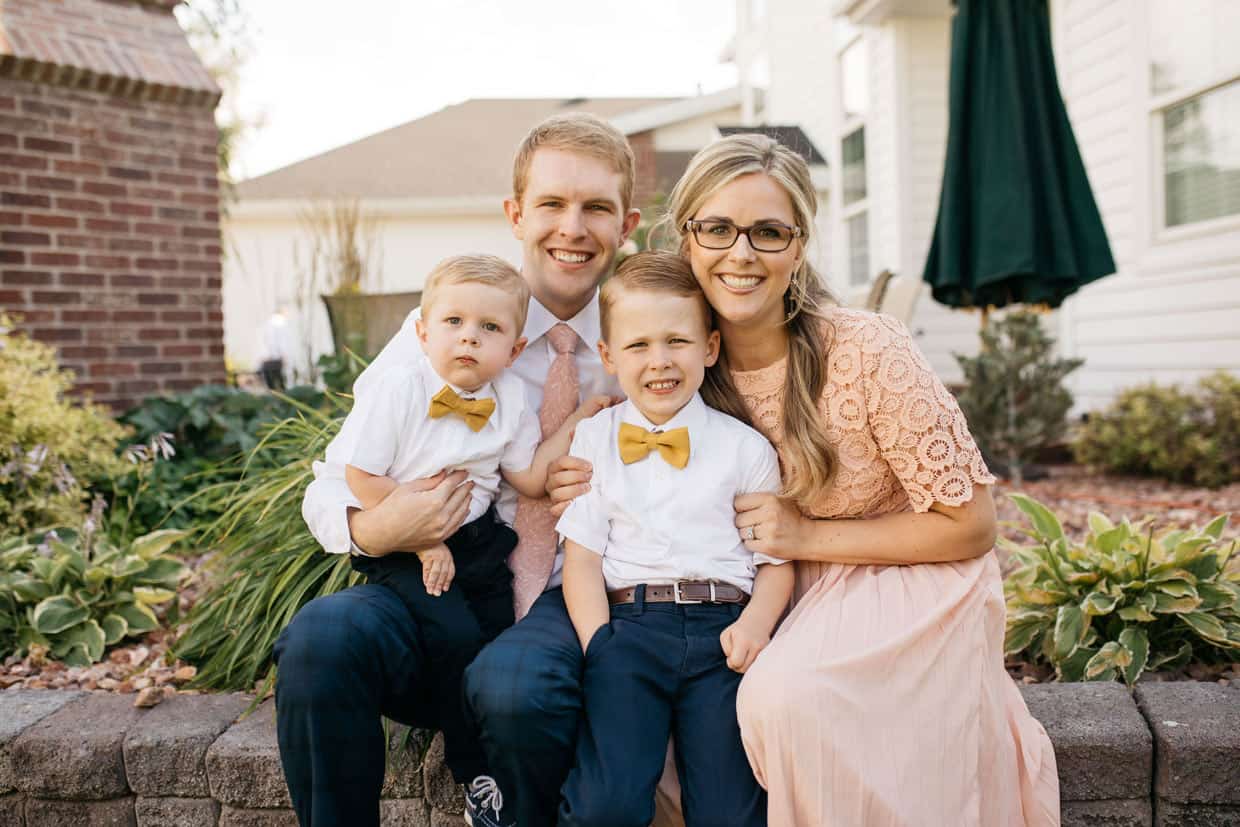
658 346
570 222
744 286
470 333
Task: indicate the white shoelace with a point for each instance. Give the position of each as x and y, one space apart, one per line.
487 793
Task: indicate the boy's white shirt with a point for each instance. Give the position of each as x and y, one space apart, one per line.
328 498
653 523
396 438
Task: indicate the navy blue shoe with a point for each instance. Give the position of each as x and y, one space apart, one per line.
484 804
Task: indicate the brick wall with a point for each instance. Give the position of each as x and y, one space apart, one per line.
109 199
645 169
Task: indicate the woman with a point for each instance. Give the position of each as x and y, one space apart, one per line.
882 699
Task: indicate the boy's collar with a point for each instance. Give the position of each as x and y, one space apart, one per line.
691 416
538 320
433 382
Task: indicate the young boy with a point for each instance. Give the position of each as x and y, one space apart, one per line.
668 604
454 407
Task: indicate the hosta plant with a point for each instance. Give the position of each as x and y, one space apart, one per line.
74 594
1122 600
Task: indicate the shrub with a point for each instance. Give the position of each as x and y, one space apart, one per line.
1123 600
268 565
1015 399
74 593
49 445
1163 431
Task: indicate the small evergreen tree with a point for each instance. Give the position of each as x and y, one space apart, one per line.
1016 402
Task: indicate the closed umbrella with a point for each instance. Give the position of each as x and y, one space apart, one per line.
1017 221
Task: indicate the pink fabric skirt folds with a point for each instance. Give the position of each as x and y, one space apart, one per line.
883 702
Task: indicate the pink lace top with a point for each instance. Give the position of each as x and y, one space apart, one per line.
901 439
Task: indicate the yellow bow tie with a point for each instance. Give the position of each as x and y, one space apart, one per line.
475 412
636 443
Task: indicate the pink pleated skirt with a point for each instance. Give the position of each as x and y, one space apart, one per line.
883 702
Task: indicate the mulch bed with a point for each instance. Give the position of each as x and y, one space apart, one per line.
147 670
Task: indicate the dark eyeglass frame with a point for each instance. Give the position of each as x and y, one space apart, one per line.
694 224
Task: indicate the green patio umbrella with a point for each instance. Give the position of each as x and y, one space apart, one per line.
1017 222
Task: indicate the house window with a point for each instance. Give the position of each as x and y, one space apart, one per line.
854 96
1194 88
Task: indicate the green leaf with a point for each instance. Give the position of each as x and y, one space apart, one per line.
1072 668
1137 612
76 655
90 635
163 572
150 596
114 628
30 590
1070 626
128 566
1215 597
1097 603
55 614
152 545
1203 566
1098 523
1045 523
1207 626
1111 656
1166 604
1174 660
1177 588
1137 643
139 617
1109 541
95 575
1020 635
1216 526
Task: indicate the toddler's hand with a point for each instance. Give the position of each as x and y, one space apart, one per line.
741 644
592 406
437 569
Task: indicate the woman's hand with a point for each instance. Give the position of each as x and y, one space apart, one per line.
567 478
770 525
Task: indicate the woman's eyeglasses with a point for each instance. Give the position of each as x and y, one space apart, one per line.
769 237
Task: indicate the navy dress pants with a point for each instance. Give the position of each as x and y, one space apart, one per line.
344 661
656 670
524 691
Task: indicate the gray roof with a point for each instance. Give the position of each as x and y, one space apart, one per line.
458 152
792 137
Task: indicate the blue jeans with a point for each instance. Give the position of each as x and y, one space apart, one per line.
524 690
345 660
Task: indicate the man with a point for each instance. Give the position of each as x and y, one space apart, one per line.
349 658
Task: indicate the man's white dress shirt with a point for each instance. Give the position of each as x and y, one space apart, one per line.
396 438
654 523
328 499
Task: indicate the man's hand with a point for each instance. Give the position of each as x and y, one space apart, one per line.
416 515
437 569
741 642
567 478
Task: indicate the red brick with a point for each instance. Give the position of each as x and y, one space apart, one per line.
13 160
57 334
136 351
200 232
129 316
56 259
79 205
161 368
99 152
181 282
46 182
24 199
46 145
69 167
33 316
107 225
157 298
156 264
81 242
151 193
79 316
8 140
194 316
112 369
12 257
93 388
104 188
8 103
14 278
151 159
82 279
10 218
111 334
138 386
159 334
12 298
180 351
198 164
131 245
129 173
107 262
216 349
132 280
56 296
178 214
37 107
83 351
57 221
176 178
130 208
25 239
150 228
150 125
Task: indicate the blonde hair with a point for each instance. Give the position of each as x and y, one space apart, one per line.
654 271
492 271
582 133
812 460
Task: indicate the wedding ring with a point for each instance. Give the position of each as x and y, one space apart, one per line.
749 535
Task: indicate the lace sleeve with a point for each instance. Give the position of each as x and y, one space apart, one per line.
916 423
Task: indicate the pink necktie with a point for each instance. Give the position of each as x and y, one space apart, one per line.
532 560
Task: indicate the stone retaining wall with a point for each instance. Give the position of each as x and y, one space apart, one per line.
1166 755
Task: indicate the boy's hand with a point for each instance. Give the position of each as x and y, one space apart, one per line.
741 642
437 569
567 478
592 406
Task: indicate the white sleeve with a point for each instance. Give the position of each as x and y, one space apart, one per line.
762 477
380 413
403 348
325 508
585 521
519 452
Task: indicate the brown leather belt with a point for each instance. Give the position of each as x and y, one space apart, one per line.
685 592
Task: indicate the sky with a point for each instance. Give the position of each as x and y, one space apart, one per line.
325 74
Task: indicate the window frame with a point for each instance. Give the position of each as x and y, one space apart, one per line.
848 125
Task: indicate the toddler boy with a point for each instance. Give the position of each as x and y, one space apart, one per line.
668 604
454 407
